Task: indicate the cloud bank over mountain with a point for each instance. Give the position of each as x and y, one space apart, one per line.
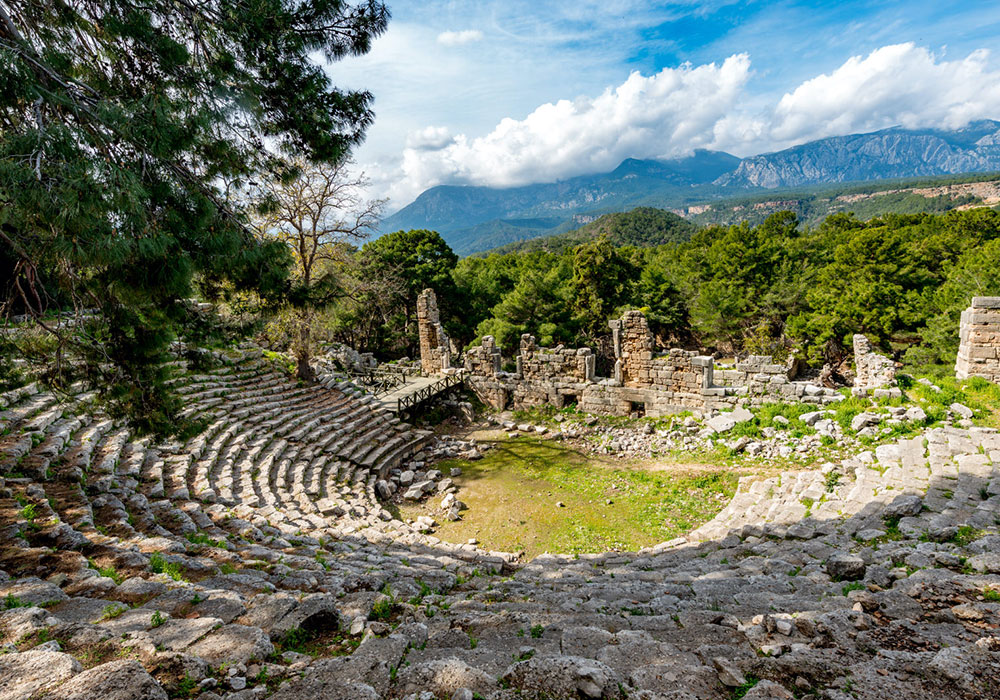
903 84
672 112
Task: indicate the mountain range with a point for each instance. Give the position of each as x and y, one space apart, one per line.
473 219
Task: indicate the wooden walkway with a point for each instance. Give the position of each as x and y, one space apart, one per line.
416 390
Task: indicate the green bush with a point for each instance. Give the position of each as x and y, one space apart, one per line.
159 565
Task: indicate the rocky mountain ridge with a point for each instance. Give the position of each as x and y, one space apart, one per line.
474 219
890 153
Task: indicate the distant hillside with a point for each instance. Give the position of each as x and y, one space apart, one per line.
647 226
474 219
644 226
813 204
500 232
890 153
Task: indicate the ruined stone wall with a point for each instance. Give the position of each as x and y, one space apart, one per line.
645 382
678 371
558 364
555 376
762 380
483 364
435 346
662 383
633 345
759 370
872 371
979 337
484 359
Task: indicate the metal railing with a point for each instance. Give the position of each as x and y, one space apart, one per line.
405 403
379 380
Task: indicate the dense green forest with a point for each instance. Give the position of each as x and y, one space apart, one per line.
643 226
133 141
778 288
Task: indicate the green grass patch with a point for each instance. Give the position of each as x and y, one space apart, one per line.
106 571
315 643
980 395
852 586
769 416
966 535
745 688
512 494
113 611
202 538
11 602
159 565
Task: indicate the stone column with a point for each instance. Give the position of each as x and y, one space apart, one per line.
979 340
636 348
435 347
873 371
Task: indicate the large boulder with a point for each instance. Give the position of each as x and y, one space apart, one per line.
845 567
233 644
904 506
20 622
727 421
324 688
864 420
33 591
962 410
564 676
768 690
117 680
24 675
444 677
138 590
281 613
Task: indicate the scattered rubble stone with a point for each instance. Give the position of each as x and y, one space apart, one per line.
871 576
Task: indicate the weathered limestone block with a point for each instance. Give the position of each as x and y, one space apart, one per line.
979 340
874 371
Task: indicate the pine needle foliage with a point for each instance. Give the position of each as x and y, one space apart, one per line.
128 133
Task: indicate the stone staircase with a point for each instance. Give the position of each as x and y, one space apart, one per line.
254 560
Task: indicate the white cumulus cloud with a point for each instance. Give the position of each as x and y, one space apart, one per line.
457 38
659 116
430 138
902 84
672 112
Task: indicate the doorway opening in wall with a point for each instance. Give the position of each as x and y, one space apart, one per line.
637 409
571 401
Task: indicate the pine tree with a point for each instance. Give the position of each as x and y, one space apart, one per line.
128 132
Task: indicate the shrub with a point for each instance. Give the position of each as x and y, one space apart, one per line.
159 564
382 609
853 586
112 611
11 602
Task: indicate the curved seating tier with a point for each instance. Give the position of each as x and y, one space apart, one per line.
254 560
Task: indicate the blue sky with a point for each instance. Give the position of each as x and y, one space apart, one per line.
509 92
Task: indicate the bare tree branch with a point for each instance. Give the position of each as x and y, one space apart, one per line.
318 216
